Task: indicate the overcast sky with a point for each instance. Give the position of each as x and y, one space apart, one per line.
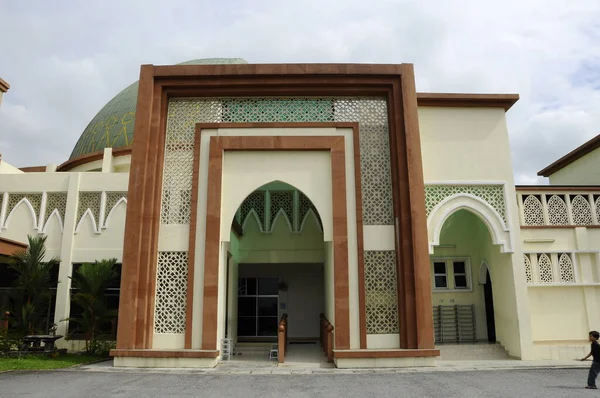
65 59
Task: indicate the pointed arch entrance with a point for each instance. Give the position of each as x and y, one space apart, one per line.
278 266
321 175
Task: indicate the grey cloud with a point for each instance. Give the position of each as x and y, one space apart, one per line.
65 60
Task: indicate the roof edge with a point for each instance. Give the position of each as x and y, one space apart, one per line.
92 157
505 101
570 157
4 86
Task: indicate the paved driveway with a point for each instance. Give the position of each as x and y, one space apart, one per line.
511 383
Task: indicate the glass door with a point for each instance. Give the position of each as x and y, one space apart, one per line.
258 303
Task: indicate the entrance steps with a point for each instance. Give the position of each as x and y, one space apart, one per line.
258 349
306 355
471 352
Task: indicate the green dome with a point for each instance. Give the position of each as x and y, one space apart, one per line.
112 127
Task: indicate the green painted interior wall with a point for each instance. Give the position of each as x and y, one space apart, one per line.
463 230
472 239
282 245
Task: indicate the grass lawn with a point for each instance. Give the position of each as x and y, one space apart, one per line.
44 363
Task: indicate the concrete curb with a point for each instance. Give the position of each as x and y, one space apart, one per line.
318 371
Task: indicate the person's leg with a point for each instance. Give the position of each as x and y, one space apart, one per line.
593 374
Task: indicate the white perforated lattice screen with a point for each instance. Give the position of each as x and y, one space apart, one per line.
380 292
533 212
265 110
33 198
545 269
375 164
282 200
177 184
89 200
255 201
112 198
492 194
56 201
581 210
528 270
565 268
370 113
171 292
557 211
304 206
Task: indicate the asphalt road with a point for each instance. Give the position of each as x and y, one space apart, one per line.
512 383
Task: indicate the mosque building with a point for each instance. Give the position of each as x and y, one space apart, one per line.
234 193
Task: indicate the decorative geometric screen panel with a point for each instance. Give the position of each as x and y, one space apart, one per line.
255 201
264 110
565 268
597 204
492 194
112 198
545 269
89 200
528 271
533 211
305 204
56 201
281 200
375 165
182 117
171 292
370 113
35 200
581 210
177 184
557 211
380 292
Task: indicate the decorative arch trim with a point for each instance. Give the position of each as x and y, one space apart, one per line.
484 268
260 222
28 204
309 212
499 232
87 213
55 213
281 213
108 217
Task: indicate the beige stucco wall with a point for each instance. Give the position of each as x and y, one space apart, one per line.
465 144
583 171
562 314
74 238
470 146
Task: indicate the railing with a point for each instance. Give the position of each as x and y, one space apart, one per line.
326 337
282 338
559 206
454 324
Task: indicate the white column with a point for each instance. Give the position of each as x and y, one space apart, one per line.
63 292
40 223
3 210
107 159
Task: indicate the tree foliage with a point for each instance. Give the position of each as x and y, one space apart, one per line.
31 291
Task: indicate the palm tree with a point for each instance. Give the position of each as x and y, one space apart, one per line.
91 281
33 282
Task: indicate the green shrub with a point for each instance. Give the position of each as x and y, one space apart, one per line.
101 348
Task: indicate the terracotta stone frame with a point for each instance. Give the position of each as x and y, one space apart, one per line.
336 146
157 84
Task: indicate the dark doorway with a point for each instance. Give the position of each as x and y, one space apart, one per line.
489 308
